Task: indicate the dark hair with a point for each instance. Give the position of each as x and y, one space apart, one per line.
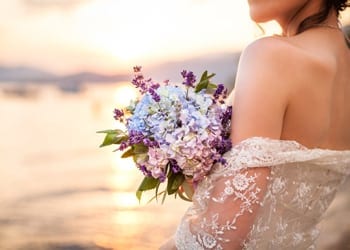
328 5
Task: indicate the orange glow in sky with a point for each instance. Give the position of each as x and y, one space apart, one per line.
64 36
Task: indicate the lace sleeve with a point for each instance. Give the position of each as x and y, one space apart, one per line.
270 194
224 210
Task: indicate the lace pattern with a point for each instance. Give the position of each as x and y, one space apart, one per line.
270 196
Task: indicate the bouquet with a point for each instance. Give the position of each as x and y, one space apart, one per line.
174 133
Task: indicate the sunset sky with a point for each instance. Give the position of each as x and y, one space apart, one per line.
68 35
64 36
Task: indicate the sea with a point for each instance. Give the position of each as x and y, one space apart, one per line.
59 190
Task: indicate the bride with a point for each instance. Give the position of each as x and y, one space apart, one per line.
291 136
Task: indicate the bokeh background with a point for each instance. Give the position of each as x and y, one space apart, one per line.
64 66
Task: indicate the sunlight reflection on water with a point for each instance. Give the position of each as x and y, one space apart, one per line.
126 200
59 190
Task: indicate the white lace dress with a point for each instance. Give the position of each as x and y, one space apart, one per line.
231 209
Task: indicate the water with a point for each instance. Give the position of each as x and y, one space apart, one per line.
60 191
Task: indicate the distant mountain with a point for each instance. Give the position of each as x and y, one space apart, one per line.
34 75
224 65
90 77
24 74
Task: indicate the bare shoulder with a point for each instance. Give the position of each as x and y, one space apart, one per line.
282 64
261 90
270 71
279 57
268 63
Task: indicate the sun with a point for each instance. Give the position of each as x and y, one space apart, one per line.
124 94
126 30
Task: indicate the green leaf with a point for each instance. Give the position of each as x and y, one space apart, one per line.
140 157
113 137
204 82
174 182
128 153
146 184
205 76
139 195
157 188
183 197
156 196
140 148
164 196
135 151
116 132
108 140
105 131
212 86
188 189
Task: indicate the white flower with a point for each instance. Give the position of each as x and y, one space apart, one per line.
209 241
240 182
228 190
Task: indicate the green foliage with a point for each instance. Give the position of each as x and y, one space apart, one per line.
188 190
135 151
148 183
204 82
128 153
174 182
115 136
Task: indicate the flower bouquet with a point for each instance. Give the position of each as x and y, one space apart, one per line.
174 133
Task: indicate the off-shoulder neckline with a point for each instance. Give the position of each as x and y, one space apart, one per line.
287 142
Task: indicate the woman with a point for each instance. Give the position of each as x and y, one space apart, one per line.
291 104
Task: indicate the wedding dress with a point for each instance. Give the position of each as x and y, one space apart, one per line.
299 188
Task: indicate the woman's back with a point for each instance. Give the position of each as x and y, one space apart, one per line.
318 112
295 88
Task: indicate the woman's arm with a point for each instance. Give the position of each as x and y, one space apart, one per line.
262 90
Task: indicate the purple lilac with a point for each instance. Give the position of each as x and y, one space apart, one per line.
155 85
162 177
219 90
154 95
123 146
135 137
222 160
189 78
226 116
226 122
137 69
145 171
145 85
223 146
140 82
220 94
149 143
174 166
118 114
